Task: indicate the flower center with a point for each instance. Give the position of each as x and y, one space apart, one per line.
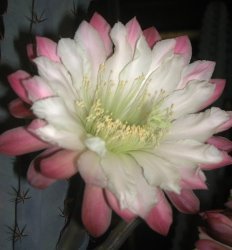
125 119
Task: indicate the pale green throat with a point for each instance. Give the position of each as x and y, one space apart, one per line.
124 117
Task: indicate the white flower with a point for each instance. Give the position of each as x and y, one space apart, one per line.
123 109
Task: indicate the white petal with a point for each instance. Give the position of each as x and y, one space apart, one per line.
187 152
139 65
54 111
126 181
122 54
189 99
161 51
157 171
61 138
167 76
90 41
91 170
72 59
200 126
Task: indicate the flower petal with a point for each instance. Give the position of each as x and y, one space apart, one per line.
37 88
59 165
19 109
91 43
126 182
220 143
36 179
61 138
90 169
184 101
133 32
152 36
56 113
160 216
20 141
183 47
103 28
46 47
198 70
200 126
15 79
125 214
210 245
218 89
96 214
185 202
187 152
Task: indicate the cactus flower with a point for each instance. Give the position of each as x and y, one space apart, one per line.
123 108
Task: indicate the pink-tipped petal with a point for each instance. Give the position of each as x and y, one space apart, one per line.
192 180
221 143
46 47
37 89
19 109
160 217
209 245
36 179
183 47
59 165
226 160
103 28
227 125
30 51
15 79
125 214
219 87
133 32
199 70
152 36
20 141
185 202
96 214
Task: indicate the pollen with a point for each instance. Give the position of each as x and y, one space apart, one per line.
121 136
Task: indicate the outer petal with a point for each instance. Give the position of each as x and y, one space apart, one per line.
126 214
160 216
183 47
46 47
133 32
96 214
19 109
19 141
220 143
15 81
186 201
59 165
36 179
152 36
37 88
